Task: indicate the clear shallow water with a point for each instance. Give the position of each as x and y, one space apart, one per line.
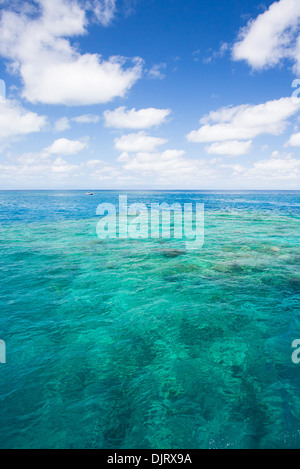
140 344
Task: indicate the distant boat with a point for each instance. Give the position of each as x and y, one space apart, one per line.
89 193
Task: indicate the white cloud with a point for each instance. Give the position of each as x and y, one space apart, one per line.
43 170
294 140
99 170
153 162
271 37
86 119
156 72
35 168
224 47
104 10
284 167
122 118
62 124
53 71
246 121
15 120
168 168
138 142
63 146
230 148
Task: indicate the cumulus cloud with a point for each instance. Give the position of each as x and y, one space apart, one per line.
168 168
35 41
294 140
86 119
63 146
42 168
281 167
271 37
33 168
230 148
15 120
62 124
138 142
123 118
246 121
147 161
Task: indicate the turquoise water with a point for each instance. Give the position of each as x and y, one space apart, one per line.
140 343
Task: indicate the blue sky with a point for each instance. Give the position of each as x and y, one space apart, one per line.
135 94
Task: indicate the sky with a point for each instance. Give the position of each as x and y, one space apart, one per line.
150 94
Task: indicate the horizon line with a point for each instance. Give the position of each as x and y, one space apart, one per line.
150 190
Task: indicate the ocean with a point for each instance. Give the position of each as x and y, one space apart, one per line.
123 344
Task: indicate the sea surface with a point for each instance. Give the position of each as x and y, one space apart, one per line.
142 343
